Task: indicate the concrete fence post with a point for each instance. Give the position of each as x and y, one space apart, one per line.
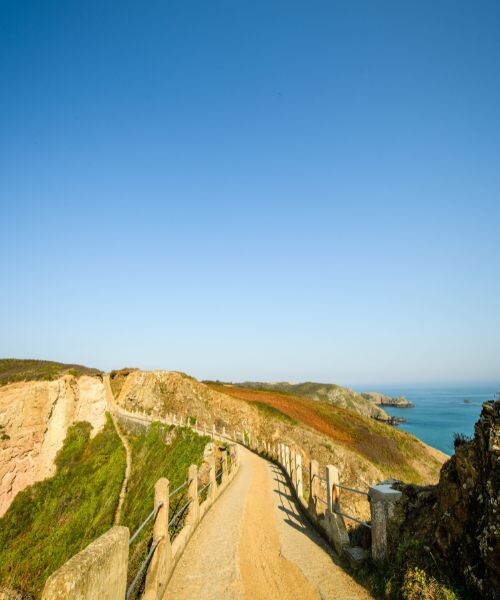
192 494
161 563
382 500
174 419
224 466
332 491
287 459
181 421
212 488
243 437
298 473
314 486
214 431
292 469
223 430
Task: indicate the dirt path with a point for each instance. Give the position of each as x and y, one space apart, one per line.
255 545
110 400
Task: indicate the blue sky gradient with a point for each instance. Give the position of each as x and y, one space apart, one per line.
253 190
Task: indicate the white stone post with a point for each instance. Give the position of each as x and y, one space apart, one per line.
292 468
332 479
314 486
161 563
382 500
212 489
224 466
192 494
298 474
287 460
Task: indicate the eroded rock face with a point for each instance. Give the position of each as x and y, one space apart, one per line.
459 519
34 419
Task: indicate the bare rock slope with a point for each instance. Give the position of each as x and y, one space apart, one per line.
34 419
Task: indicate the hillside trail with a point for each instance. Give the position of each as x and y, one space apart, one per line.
255 544
110 401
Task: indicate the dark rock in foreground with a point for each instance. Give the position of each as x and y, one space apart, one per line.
458 520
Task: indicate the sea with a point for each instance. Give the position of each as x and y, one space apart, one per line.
440 410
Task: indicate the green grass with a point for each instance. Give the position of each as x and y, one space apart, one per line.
159 451
271 411
50 521
13 370
413 574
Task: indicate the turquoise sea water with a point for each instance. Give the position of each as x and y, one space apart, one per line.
440 410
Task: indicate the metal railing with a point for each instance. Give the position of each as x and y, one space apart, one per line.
179 513
338 512
349 489
144 564
178 489
152 514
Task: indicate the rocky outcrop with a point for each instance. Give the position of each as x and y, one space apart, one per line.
383 400
34 419
458 520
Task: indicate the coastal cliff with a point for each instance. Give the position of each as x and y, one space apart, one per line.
34 420
451 531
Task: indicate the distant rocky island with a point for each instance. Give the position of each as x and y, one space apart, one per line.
383 400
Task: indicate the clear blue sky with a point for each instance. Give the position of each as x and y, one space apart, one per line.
253 190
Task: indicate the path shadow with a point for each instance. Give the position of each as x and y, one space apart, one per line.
295 516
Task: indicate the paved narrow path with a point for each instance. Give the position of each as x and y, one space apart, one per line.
110 401
254 544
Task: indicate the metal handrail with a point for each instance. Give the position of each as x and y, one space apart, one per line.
204 487
187 482
344 487
142 567
336 511
152 514
179 512
321 500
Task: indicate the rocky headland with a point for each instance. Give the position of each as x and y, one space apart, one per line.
383 400
451 531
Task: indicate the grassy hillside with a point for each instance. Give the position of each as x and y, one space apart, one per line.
52 520
160 451
384 446
326 392
14 369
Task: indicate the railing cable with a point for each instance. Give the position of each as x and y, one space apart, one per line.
179 513
152 514
187 482
344 487
336 511
142 567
